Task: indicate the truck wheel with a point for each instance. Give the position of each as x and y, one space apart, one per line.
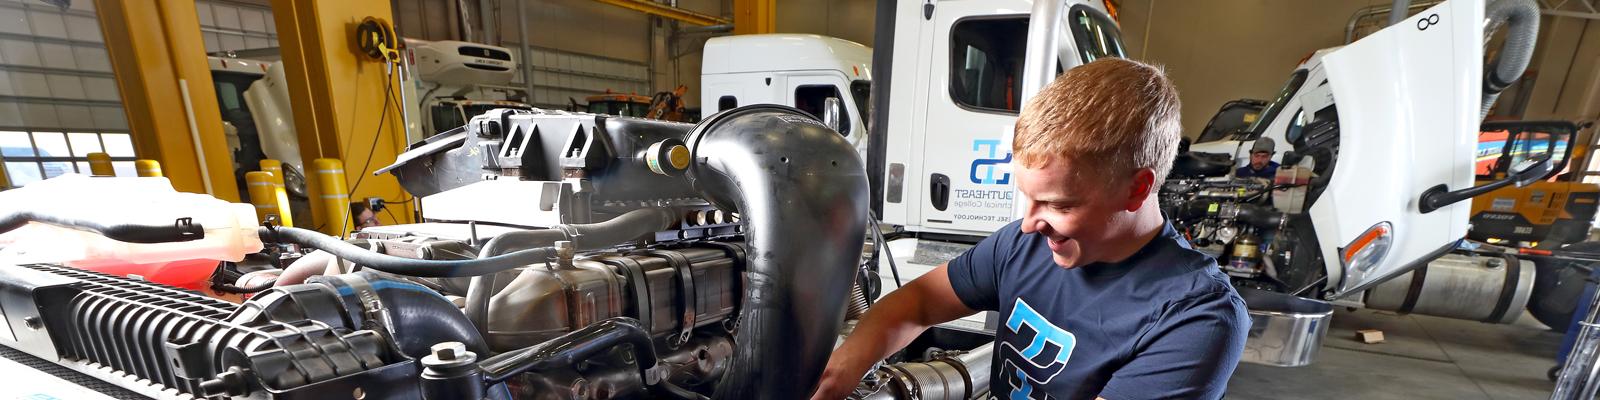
1556 289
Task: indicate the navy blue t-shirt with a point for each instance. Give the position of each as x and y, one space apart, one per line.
1162 324
1270 171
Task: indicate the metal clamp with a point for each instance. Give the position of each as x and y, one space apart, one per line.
686 292
735 252
637 281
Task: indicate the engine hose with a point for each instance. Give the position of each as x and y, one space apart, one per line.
570 349
1259 216
231 289
666 389
402 265
181 230
622 228
858 302
1522 21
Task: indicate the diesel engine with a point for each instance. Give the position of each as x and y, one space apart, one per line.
563 256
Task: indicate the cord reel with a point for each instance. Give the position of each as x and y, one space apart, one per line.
376 39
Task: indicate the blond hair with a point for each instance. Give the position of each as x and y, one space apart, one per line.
1109 117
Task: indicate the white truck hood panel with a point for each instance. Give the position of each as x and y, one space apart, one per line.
1407 99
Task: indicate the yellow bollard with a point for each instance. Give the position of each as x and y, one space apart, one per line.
100 165
334 206
147 168
273 166
285 213
262 194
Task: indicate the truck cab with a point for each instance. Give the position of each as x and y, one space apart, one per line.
801 71
957 86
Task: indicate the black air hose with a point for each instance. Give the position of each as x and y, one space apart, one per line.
181 230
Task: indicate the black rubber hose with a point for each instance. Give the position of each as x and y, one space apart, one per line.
402 265
181 230
570 349
232 289
1260 216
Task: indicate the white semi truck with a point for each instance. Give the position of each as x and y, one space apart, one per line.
1396 112
800 71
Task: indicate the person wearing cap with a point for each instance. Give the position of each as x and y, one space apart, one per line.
1261 164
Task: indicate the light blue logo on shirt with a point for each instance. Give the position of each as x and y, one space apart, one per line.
1036 367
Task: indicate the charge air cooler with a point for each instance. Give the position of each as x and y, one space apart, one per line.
165 342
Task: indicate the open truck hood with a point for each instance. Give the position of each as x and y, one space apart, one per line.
1408 102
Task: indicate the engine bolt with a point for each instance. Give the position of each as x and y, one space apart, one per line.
448 351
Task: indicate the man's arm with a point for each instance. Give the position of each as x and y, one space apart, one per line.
887 327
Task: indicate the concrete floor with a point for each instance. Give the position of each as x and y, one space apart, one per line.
1422 358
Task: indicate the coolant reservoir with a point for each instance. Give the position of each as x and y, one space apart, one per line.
230 228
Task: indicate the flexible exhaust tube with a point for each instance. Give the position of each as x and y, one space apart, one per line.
628 226
964 376
1521 18
802 193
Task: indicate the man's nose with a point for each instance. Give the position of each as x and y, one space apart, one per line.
1029 221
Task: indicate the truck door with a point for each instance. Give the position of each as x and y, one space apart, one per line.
972 104
979 62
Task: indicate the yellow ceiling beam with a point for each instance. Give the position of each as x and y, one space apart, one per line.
338 96
755 17
159 58
666 11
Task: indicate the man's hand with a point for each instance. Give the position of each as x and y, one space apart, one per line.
837 383
887 327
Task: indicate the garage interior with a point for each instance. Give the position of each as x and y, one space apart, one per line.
599 198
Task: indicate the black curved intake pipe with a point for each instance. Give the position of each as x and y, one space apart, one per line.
802 192
417 317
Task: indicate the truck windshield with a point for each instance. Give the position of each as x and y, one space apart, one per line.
1096 35
1272 110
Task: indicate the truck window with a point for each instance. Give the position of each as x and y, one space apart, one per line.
1096 36
446 116
812 98
986 56
1277 104
860 91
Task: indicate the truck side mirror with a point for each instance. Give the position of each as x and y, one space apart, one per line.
1528 150
833 114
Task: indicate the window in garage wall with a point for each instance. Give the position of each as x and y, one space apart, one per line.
33 156
233 26
56 89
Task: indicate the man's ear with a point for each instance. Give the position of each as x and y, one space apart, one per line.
1143 186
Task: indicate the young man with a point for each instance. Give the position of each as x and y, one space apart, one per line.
1098 296
1261 164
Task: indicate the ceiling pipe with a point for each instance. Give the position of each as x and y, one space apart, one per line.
667 11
